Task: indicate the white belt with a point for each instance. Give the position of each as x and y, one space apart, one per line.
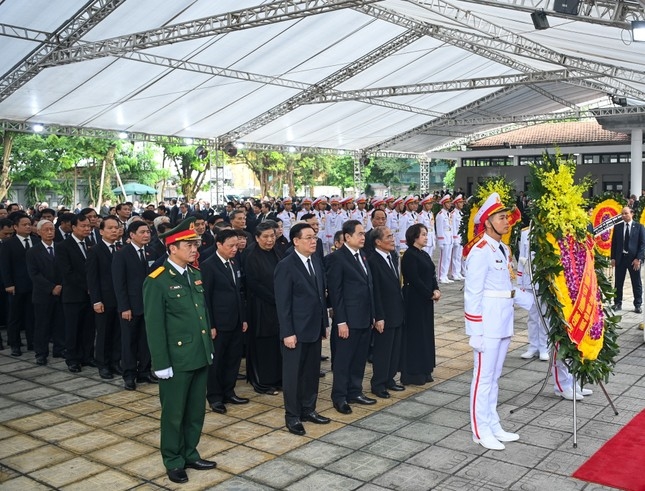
499 293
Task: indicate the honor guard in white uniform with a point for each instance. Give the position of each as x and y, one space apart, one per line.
426 217
443 226
306 208
489 298
287 216
457 248
393 220
361 214
333 222
346 205
320 210
408 218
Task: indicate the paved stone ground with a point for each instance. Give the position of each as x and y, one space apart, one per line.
64 431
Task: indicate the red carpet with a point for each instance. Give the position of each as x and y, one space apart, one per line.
620 463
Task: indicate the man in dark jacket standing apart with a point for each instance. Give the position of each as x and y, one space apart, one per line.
181 348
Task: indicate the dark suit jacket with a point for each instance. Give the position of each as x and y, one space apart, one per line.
223 297
99 275
71 262
388 298
13 265
350 290
43 272
299 300
128 275
636 247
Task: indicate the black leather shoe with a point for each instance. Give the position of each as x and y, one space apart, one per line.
241 376
383 394
105 373
58 355
343 408
322 374
296 428
201 465
638 310
129 384
363 399
617 306
324 358
147 379
429 378
74 368
89 363
218 407
116 369
236 400
41 360
177 475
314 417
397 388
16 352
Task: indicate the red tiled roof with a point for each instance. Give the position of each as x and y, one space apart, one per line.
571 133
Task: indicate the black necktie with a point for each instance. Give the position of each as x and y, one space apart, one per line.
50 249
112 248
27 246
185 275
358 260
67 234
626 237
501 248
143 258
229 269
84 248
389 260
311 269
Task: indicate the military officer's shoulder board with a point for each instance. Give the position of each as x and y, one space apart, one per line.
157 272
482 244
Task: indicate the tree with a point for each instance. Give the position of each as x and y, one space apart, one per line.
341 173
449 178
268 167
190 169
388 170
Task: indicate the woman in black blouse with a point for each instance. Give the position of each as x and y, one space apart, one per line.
420 292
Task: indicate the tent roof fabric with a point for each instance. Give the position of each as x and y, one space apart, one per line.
392 75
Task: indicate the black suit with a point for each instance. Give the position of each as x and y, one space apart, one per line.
79 322
48 309
388 301
624 255
101 287
128 274
302 311
352 299
13 267
227 313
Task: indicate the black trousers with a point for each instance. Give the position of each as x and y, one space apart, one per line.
227 356
135 354
386 354
49 323
79 333
21 315
300 379
623 265
108 338
350 357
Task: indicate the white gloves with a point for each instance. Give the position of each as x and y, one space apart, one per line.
164 374
477 343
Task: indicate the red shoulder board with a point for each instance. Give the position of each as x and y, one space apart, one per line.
482 244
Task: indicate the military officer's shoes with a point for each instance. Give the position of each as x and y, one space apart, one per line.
568 394
177 475
314 417
489 442
218 407
544 356
505 436
201 465
234 399
527 355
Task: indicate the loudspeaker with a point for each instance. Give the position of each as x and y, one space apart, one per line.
230 150
569 7
539 20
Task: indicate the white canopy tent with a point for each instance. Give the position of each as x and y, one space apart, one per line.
402 76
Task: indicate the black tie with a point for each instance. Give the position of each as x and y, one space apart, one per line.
185 275
389 260
50 249
358 260
626 237
67 234
143 259
311 269
501 248
27 246
112 248
84 248
228 268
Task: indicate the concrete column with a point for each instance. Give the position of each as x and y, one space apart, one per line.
637 162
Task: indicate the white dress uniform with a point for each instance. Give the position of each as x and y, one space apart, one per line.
457 248
321 215
333 223
406 220
362 216
488 308
536 332
288 219
443 226
427 219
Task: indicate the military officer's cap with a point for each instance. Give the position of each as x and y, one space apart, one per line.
185 230
491 206
458 199
445 199
427 199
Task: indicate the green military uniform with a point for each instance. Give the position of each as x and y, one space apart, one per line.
179 336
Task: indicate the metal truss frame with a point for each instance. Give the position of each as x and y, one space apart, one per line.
613 13
84 20
358 175
424 175
260 15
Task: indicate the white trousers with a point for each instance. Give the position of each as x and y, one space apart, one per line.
536 332
484 388
457 260
562 378
445 253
